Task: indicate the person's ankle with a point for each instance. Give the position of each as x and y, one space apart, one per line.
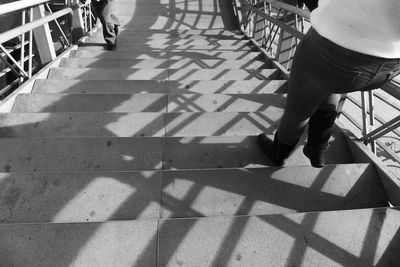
316 156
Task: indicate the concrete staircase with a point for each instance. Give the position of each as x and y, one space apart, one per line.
147 156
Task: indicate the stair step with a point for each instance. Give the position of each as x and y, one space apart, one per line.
148 103
79 124
237 152
131 34
123 46
328 238
147 86
162 74
179 21
104 196
129 41
144 153
108 74
90 103
43 86
165 37
80 244
201 32
133 9
94 124
225 103
166 55
163 63
221 124
316 239
80 154
79 196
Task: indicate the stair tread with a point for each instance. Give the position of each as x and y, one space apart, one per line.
149 86
258 240
129 41
238 152
186 31
166 37
148 156
149 124
122 46
179 21
163 63
82 102
148 102
147 153
165 55
58 197
80 154
162 74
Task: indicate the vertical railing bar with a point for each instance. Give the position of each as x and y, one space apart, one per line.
264 25
274 32
30 44
22 57
279 45
85 22
13 61
372 117
364 114
58 25
90 17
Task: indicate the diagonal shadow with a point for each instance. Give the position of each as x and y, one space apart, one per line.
130 205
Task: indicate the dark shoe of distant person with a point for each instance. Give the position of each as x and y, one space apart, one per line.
111 46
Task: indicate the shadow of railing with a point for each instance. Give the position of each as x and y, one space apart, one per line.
136 195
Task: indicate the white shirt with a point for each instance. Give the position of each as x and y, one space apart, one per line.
367 26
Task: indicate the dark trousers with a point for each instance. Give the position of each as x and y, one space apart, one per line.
320 71
103 10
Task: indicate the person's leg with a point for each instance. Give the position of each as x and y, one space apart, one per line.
320 69
110 28
304 96
103 12
320 127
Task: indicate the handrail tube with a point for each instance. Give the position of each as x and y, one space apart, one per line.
58 25
281 24
14 62
382 130
18 5
6 36
293 9
392 88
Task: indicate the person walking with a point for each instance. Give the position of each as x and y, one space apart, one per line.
310 4
104 11
352 45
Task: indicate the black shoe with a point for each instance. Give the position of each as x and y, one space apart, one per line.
111 46
320 130
275 150
316 156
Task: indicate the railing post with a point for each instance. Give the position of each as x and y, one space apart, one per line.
259 25
43 38
77 20
287 42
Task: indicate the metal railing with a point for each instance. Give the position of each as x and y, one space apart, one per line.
277 27
35 16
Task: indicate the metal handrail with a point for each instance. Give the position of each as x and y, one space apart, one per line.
46 49
392 88
292 9
18 5
8 35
